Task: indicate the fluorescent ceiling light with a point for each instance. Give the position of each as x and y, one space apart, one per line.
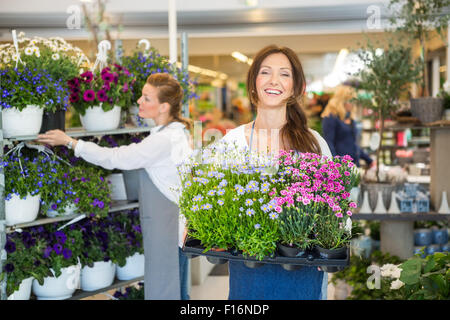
241 57
205 72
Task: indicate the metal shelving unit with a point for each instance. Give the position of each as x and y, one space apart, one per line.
80 294
115 207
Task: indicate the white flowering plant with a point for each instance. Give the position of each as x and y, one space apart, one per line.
226 200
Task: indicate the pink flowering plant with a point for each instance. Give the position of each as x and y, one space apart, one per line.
112 86
320 189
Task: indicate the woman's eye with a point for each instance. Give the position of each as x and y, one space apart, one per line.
285 74
264 72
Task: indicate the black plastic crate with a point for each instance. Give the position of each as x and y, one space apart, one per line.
193 248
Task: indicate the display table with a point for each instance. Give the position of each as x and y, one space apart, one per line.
397 230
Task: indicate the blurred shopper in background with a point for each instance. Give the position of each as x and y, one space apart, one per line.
339 128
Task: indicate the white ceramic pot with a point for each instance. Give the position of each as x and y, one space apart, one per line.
99 276
133 268
95 119
58 288
68 210
24 291
118 191
21 210
22 123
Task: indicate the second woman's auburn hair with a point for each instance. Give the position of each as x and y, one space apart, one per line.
170 91
295 133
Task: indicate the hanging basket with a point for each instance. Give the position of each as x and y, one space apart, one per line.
101 275
22 123
58 288
133 268
95 119
21 210
24 291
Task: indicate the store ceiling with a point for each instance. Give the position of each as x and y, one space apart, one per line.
314 29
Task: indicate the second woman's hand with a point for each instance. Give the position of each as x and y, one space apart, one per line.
56 138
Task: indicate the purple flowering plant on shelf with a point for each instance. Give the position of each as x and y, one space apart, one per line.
62 249
112 86
114 238
24 260
86 186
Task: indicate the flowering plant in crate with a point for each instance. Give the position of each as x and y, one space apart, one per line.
320 189
225 199
112 86
24 260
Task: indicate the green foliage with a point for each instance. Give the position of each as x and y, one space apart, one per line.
385 76
356 276
296 227
24 258
427 278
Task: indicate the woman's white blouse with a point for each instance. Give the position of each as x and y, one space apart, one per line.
158 154
238 136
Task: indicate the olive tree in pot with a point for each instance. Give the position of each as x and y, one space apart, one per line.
385 77
421 20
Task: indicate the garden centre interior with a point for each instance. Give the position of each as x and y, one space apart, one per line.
400 119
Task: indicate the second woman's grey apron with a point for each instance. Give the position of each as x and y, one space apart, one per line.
159 224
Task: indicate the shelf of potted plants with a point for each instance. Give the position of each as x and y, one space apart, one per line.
64 55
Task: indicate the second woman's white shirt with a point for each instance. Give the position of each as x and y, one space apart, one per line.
158 154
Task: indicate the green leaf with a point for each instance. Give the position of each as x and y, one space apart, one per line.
430 265
411 271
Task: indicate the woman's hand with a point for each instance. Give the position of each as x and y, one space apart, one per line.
56 138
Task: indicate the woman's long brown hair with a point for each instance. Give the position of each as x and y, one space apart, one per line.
295 133
170 91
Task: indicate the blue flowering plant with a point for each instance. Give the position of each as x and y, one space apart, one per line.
26 173
143 64
23 86
131 293
38 72
226 199
24 260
